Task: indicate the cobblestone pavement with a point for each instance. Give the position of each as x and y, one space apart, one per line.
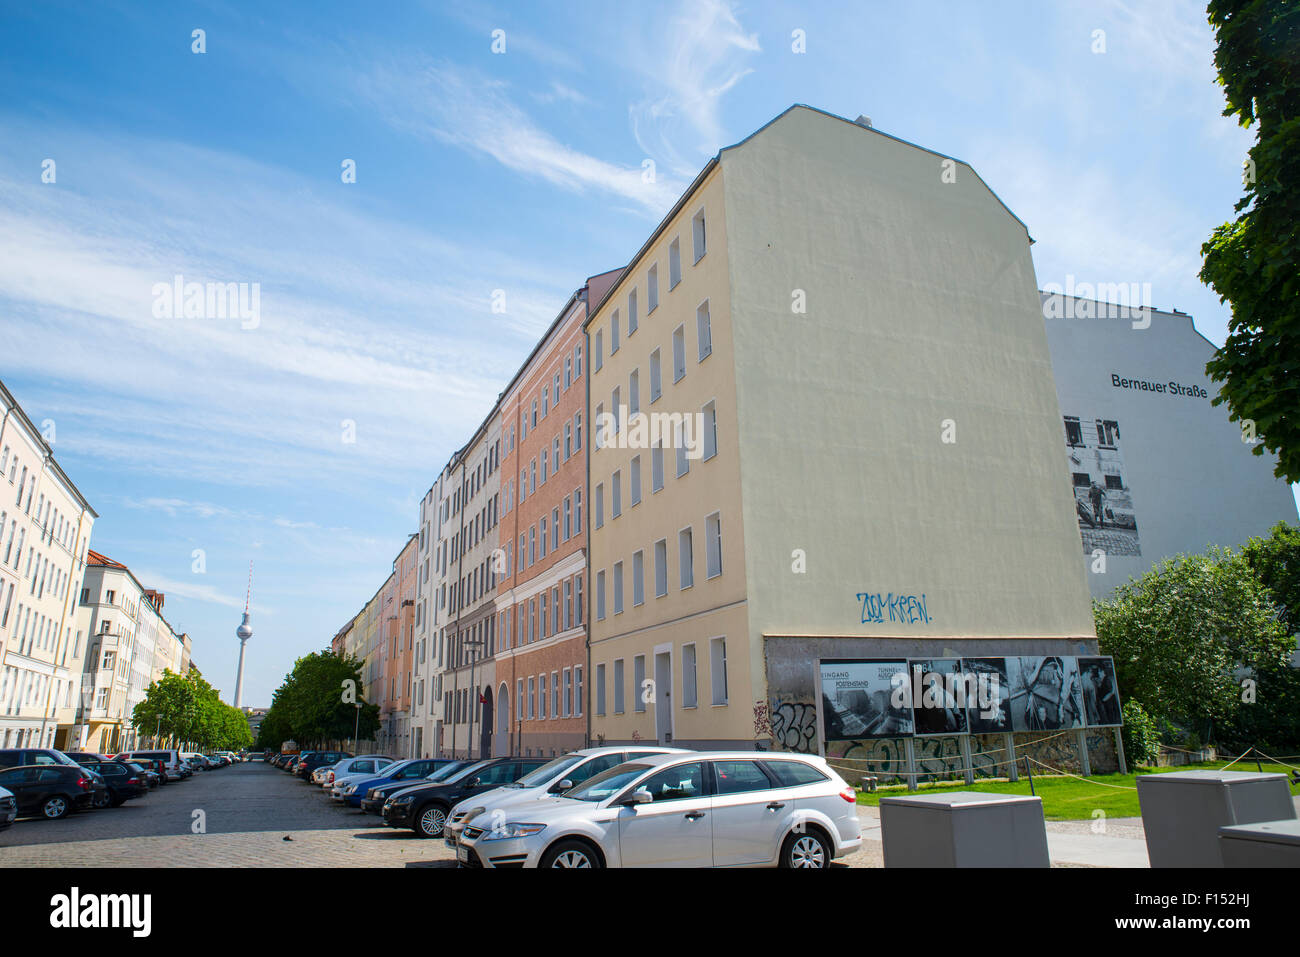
250 809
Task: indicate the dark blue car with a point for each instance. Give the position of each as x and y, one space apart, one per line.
411 770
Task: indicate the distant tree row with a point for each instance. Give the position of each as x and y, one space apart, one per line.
319 702
185 709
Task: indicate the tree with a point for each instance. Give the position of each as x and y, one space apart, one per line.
1181 633
1254 262
318 702
1276 562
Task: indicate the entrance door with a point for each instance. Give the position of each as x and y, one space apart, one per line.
485 735
663 696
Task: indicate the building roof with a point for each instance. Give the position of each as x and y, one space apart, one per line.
95 558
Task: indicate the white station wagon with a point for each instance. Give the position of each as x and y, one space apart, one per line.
714 809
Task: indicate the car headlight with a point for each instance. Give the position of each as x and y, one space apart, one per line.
351 789
406 799
507 831
472 813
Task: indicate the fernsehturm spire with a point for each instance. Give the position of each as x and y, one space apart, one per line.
243 633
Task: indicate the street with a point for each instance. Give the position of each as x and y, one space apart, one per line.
249 810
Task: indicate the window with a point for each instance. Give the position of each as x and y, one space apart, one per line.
568 372
568 520
656 468
739 777
697 235
710 425
679 353
631 312
618 686
598 505
568 440
685 558
546 401
598 356
638 683
616 494
656 383
638 578
661 568
702 330
793 773
1114 482
713 545
683 458
616 408
652 289
634 392
555 692
577 431
618 588
577 600
600 418
600 690
718 659
681 782
577 691
541 698
532 697
555 527
600 595
577 512
545 470
519 685
690 697
577 360
613 333
634 481
674 263
534 413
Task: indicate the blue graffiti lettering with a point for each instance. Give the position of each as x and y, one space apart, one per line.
902 609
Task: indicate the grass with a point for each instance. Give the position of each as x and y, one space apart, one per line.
1071 799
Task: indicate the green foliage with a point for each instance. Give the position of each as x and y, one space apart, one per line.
318 703
1180 633
185 708
1276 562
1140 735
1254 262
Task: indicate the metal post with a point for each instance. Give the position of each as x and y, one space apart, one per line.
967 762
1009 742
1081 742
1119 752
1030 772
911 764
356 726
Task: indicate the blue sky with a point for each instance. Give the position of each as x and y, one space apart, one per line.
476 171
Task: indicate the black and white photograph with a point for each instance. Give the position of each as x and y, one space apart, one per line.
941 693
990 713
1102 497
864 699
1100 692
1046 694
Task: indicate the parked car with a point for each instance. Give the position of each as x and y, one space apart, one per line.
173 768
352 788
123 779
554 777
292 764
314 759
49 790
728 809
152 771
14 757
8 808
347 770
83 756
424 807
373 802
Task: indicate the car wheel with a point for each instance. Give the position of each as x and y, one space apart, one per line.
570 854
102 800
806 849
54 807
431 821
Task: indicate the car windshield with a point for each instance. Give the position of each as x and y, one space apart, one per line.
465 772
547 771
444 772
607 783
62 758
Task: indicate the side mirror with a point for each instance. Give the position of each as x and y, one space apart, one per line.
475 782
639 796
561 786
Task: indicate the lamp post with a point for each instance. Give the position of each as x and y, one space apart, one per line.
356 725
473 687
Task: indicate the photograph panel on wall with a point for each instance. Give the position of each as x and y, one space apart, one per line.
1046 694
941 689
865 698
1103 501
1100 692
989 712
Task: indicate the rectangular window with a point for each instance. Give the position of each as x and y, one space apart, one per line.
568 372
616 494
577 512
616 408
519 693
634 392
568 603
546 401
718 669
638 683
618 686
577 431
661 568
577 691
555 528
541 698
685 558
577 600
613 333
532 697
568 519
598 347
600 690
703 331
710 430
713 545
600 417
683 459
631 312
656 468
568 440
600 595
697 235
674 263
618 588
652 289
577 360
634 481
598 506
679 353
656 381
638 578
690 696
545 470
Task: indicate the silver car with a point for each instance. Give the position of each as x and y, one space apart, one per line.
565 772
715 809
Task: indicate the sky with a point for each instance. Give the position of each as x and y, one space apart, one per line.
499 153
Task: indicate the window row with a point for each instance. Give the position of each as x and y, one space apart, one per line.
685 568
643 691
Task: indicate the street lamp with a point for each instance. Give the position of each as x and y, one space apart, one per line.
473 687
356 725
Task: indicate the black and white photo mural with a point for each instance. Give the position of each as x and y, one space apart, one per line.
865 698
1045 693
1103 501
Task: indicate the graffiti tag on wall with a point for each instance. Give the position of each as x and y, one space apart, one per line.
794 726
902 609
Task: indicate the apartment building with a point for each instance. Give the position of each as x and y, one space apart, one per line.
1155 468
128 646
426 691
397 635
803 391
45 526
468 629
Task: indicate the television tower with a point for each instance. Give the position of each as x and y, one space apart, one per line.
243 633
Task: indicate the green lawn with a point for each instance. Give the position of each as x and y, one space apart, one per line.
1071 799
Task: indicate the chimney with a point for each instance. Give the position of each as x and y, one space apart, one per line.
863 120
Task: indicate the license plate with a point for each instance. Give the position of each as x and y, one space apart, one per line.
462 854
450 842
